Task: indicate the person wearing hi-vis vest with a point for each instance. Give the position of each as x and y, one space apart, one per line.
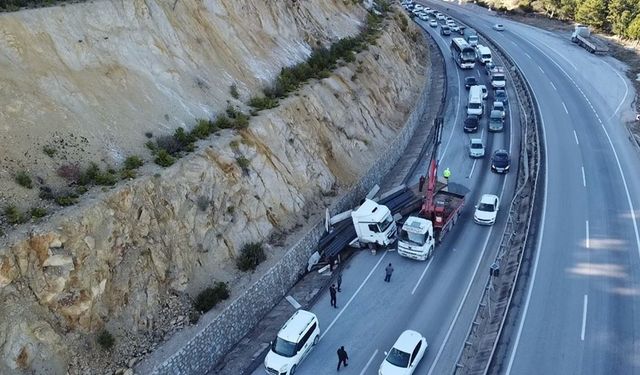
446 174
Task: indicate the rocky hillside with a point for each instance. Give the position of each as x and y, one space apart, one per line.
106 72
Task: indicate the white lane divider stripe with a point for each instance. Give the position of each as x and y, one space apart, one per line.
421 276
575 135
353 296
587 234
584 316
368 362
554 86
565 108
584 178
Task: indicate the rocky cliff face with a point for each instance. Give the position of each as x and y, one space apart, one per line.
125 258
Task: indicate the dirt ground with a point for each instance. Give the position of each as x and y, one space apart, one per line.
625 51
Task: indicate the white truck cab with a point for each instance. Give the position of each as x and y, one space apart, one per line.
374 224
416 239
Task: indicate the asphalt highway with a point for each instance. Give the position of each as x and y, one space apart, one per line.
580 311
436 298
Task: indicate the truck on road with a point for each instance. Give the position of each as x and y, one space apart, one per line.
582 36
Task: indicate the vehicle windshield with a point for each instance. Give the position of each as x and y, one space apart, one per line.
474 105
283 347
485 207
486 56
415 238
386 222
476 145
398 358
498 77
469 55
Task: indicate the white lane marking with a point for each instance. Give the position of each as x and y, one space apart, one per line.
587 234
529 56
575 135
554 86
539 67
368 362
466 293
565 108
293 302
455 119
584 316
626 92
538 249
421 276
584 177
353 296
473 166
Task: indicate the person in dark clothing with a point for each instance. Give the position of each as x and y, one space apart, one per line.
388 271
332 292
339 281
342 357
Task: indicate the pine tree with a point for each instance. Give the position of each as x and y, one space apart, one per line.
633 31
620 16
592 13
567 9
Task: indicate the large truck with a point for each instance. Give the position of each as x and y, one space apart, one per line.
438 214
374 224
582 36
497 77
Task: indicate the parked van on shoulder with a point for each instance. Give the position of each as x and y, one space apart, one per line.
293 343
475 104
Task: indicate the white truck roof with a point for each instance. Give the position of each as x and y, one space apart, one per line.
370 210
416 225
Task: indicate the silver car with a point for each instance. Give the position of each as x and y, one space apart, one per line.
476 148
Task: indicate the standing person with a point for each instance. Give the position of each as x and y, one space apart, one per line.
339 281
332 292
388 271
342 357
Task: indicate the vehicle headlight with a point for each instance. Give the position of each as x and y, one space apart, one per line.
507 167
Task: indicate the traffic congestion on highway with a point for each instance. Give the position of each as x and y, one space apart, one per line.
396 312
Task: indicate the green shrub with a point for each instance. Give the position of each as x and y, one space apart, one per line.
222 122
183 138
66 200
241 121
251 255
38 212
263 102
243 162
203 129
163 158
23 179
133 162
89 175
108 178
105 339
14 216
233 89
49 151
126 174
210 297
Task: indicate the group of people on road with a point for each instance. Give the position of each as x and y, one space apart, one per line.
333 292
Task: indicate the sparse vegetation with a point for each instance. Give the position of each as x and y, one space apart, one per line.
210 297
133 162
263 102
233 90
38 212
67 199
105 339
14 216
126 174
23 179
50 151
251 256
164 159
243 163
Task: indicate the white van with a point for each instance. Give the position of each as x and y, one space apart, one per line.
293 343
475 105
483 54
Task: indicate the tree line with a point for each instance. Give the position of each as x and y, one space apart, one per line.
618 17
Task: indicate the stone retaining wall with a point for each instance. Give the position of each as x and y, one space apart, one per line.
210 345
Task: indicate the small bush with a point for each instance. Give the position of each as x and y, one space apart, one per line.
263 102
49 151
243 162
168 143
230 210
23 179
133 162
126 174
66 200
151 145
233 89
14 216
164 159
46 193
108 178
241 121
105 339
38 212
89 175
251 255
210 297
203 129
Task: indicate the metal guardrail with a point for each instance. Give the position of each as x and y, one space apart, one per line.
484 333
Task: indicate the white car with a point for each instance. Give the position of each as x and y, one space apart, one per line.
487 210
404 356
498 27
433 23
455 28
419 7
423 16
439 16
499 106
476 148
